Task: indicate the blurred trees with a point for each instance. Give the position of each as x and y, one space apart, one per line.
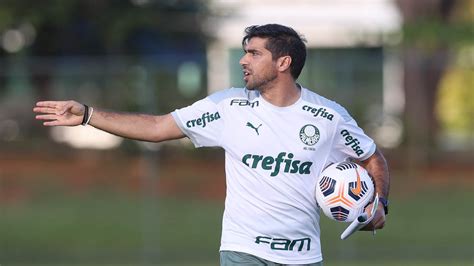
85 27
92 49
455 108
433 31
57 28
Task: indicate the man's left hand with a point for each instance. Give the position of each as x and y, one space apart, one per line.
378 222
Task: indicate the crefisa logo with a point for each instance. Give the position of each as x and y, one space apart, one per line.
309 134
202 121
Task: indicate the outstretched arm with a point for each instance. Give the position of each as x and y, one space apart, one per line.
377 167
134 126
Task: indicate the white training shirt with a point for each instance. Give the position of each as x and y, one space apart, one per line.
273 158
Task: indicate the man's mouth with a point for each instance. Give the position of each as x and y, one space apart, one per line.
246 75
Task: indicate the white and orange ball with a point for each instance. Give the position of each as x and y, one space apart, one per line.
343 191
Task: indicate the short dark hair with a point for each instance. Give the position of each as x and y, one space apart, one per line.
281 41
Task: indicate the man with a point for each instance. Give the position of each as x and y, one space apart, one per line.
277 137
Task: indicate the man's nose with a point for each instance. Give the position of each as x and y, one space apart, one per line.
243 60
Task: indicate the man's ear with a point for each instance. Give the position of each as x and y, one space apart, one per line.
283 63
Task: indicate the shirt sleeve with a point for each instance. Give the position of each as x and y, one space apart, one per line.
201 122
351 141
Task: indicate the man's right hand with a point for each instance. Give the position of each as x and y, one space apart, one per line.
59 113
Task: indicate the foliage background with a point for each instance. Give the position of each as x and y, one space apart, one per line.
144 204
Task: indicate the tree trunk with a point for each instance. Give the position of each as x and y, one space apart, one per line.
424 64
422 75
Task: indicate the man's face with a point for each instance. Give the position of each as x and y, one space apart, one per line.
258 67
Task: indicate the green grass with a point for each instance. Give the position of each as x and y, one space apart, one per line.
109 229
433 226
429 227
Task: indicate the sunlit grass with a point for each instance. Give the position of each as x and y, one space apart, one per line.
430 227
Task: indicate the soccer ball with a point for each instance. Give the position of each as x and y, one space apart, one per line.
343 191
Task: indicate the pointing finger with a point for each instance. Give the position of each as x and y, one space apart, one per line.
44 110
47 117
52 123
51 104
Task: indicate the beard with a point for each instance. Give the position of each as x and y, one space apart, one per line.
261 82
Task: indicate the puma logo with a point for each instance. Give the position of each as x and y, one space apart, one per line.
255 128
358 187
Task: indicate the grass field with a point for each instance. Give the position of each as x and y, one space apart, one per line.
431 226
